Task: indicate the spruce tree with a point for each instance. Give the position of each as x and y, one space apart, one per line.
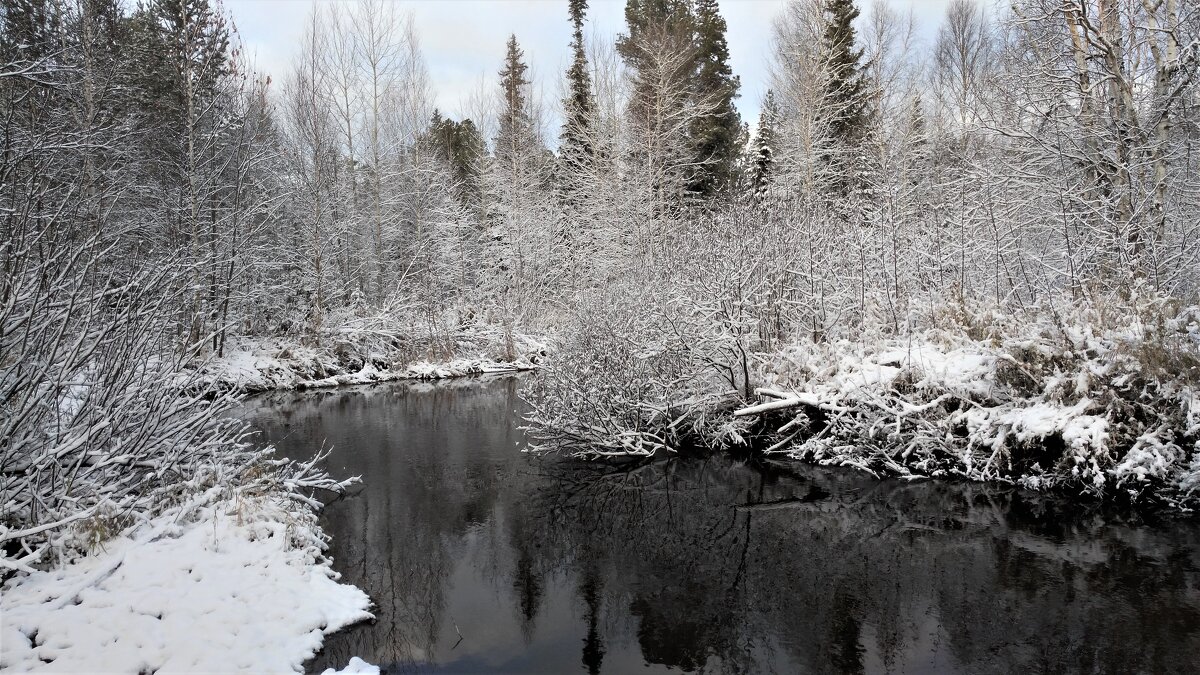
576 148
185 83
515 132
29 31
469 153
765 140
580 105
193 55
515 206
460 147
177 64
716 137
95 39
845 83
918 130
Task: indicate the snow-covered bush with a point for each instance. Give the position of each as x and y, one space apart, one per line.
625 380
1098 393
96 433
655 361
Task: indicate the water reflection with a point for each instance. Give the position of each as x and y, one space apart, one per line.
481 558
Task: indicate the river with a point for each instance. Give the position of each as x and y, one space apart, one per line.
482 558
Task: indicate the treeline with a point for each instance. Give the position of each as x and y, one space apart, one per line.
1041 148
141 134
1023 153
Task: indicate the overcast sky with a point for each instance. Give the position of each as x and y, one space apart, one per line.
463 40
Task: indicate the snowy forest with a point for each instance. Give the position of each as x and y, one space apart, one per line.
976 256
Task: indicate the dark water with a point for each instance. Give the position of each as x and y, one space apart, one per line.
482 558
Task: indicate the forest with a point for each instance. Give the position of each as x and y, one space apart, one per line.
973 257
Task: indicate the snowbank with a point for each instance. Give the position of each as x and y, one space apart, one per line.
419 371
268 364
235 585
1104 407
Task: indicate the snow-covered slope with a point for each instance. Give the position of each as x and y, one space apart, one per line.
228 586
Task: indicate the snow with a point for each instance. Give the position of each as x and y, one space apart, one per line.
270 364
790 401
965 371
423 370
1150 457
356 667
231 585
1038 421
939 403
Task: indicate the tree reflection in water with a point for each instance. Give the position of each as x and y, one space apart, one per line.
482 558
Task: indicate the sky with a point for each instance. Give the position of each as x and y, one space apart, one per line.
463 40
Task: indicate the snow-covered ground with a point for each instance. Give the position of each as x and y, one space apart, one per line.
218 585
269 364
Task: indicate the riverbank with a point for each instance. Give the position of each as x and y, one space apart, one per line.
241 562
1097 396
265 364
225 543
230 581
1098 418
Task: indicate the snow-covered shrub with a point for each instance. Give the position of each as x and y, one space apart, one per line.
655 362
624 381
96 430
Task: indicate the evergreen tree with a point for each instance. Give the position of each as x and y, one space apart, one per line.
765 140
28 31
660 51
515 131
188 77
178 65
518 207
716 137
96 39
577 150
184 57
918 129
845 82
100 41
468 155
460 147
35 172
580 105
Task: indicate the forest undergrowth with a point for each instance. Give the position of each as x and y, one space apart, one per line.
1096 395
